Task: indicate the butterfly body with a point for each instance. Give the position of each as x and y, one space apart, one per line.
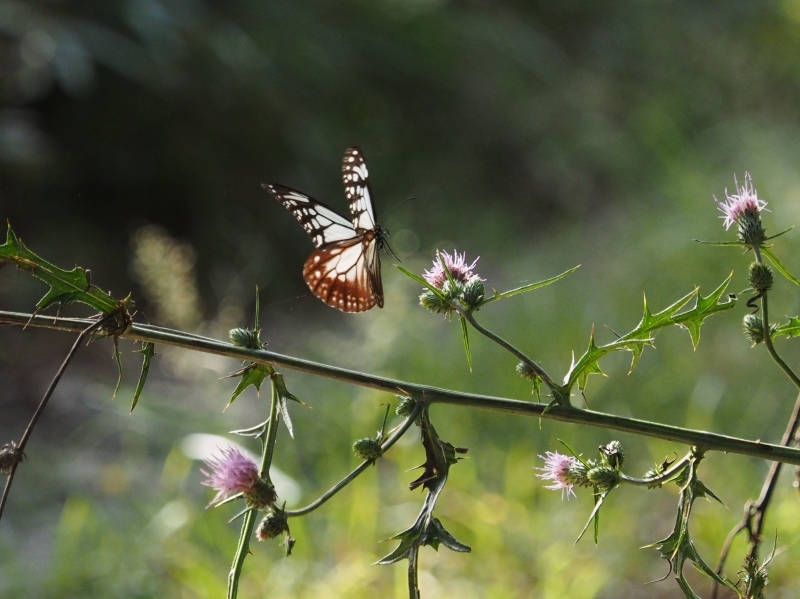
344 270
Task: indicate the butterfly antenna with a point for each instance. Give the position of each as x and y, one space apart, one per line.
397 206
387 248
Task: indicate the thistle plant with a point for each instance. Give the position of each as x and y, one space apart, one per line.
451 287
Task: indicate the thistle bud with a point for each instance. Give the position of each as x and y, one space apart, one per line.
367 448
274 524
760 277
474 292
261 495
753 329
603 477
247 338
405 406
613 454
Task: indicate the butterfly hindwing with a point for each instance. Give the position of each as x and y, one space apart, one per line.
339 274
345 269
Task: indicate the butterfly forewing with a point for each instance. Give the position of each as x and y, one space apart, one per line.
321 223
345 269
357 189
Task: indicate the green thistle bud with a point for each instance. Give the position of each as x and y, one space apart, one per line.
760 277
247 338
613 454
274 524
754 329
603 477
751 231
474 292
261 495
367 448
405 406
754 577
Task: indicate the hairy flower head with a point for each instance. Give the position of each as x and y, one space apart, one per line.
230 473
562 470
456 264
741 205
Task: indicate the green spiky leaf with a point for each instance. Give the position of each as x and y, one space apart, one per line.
465 335
779 265
636 340
497 295
678 547
148 351
253 374
790 329
427 530
66 286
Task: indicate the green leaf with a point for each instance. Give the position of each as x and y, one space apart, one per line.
422 282
118 359
636 340
790 329
253 374
678 547
427 530
465 334
530 287
779 265
254 431
65 286
704 307
148 351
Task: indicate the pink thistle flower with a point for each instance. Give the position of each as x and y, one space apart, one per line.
741 205
230 474
557 468
456 264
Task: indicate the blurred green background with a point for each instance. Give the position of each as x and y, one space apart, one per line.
134 136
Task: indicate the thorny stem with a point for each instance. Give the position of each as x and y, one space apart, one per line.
661 478
558 392
708 440
243 547
43 403
755 511
416 410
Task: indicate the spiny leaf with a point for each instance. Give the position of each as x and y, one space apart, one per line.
790 329
148 351
254 431
779 265
532 286
636 340
678 546
426 530
704 307
253 374
118 358
422 282
465 334
65 286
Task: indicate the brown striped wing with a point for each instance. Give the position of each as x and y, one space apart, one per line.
346 274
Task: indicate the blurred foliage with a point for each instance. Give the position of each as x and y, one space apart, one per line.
536 135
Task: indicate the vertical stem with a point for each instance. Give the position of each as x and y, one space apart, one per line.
243 548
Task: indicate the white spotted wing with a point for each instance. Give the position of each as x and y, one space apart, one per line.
345 269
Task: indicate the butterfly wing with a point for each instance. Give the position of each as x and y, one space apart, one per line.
357 189
321 223
344 270
342 274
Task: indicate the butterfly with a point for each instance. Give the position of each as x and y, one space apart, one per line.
345 269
